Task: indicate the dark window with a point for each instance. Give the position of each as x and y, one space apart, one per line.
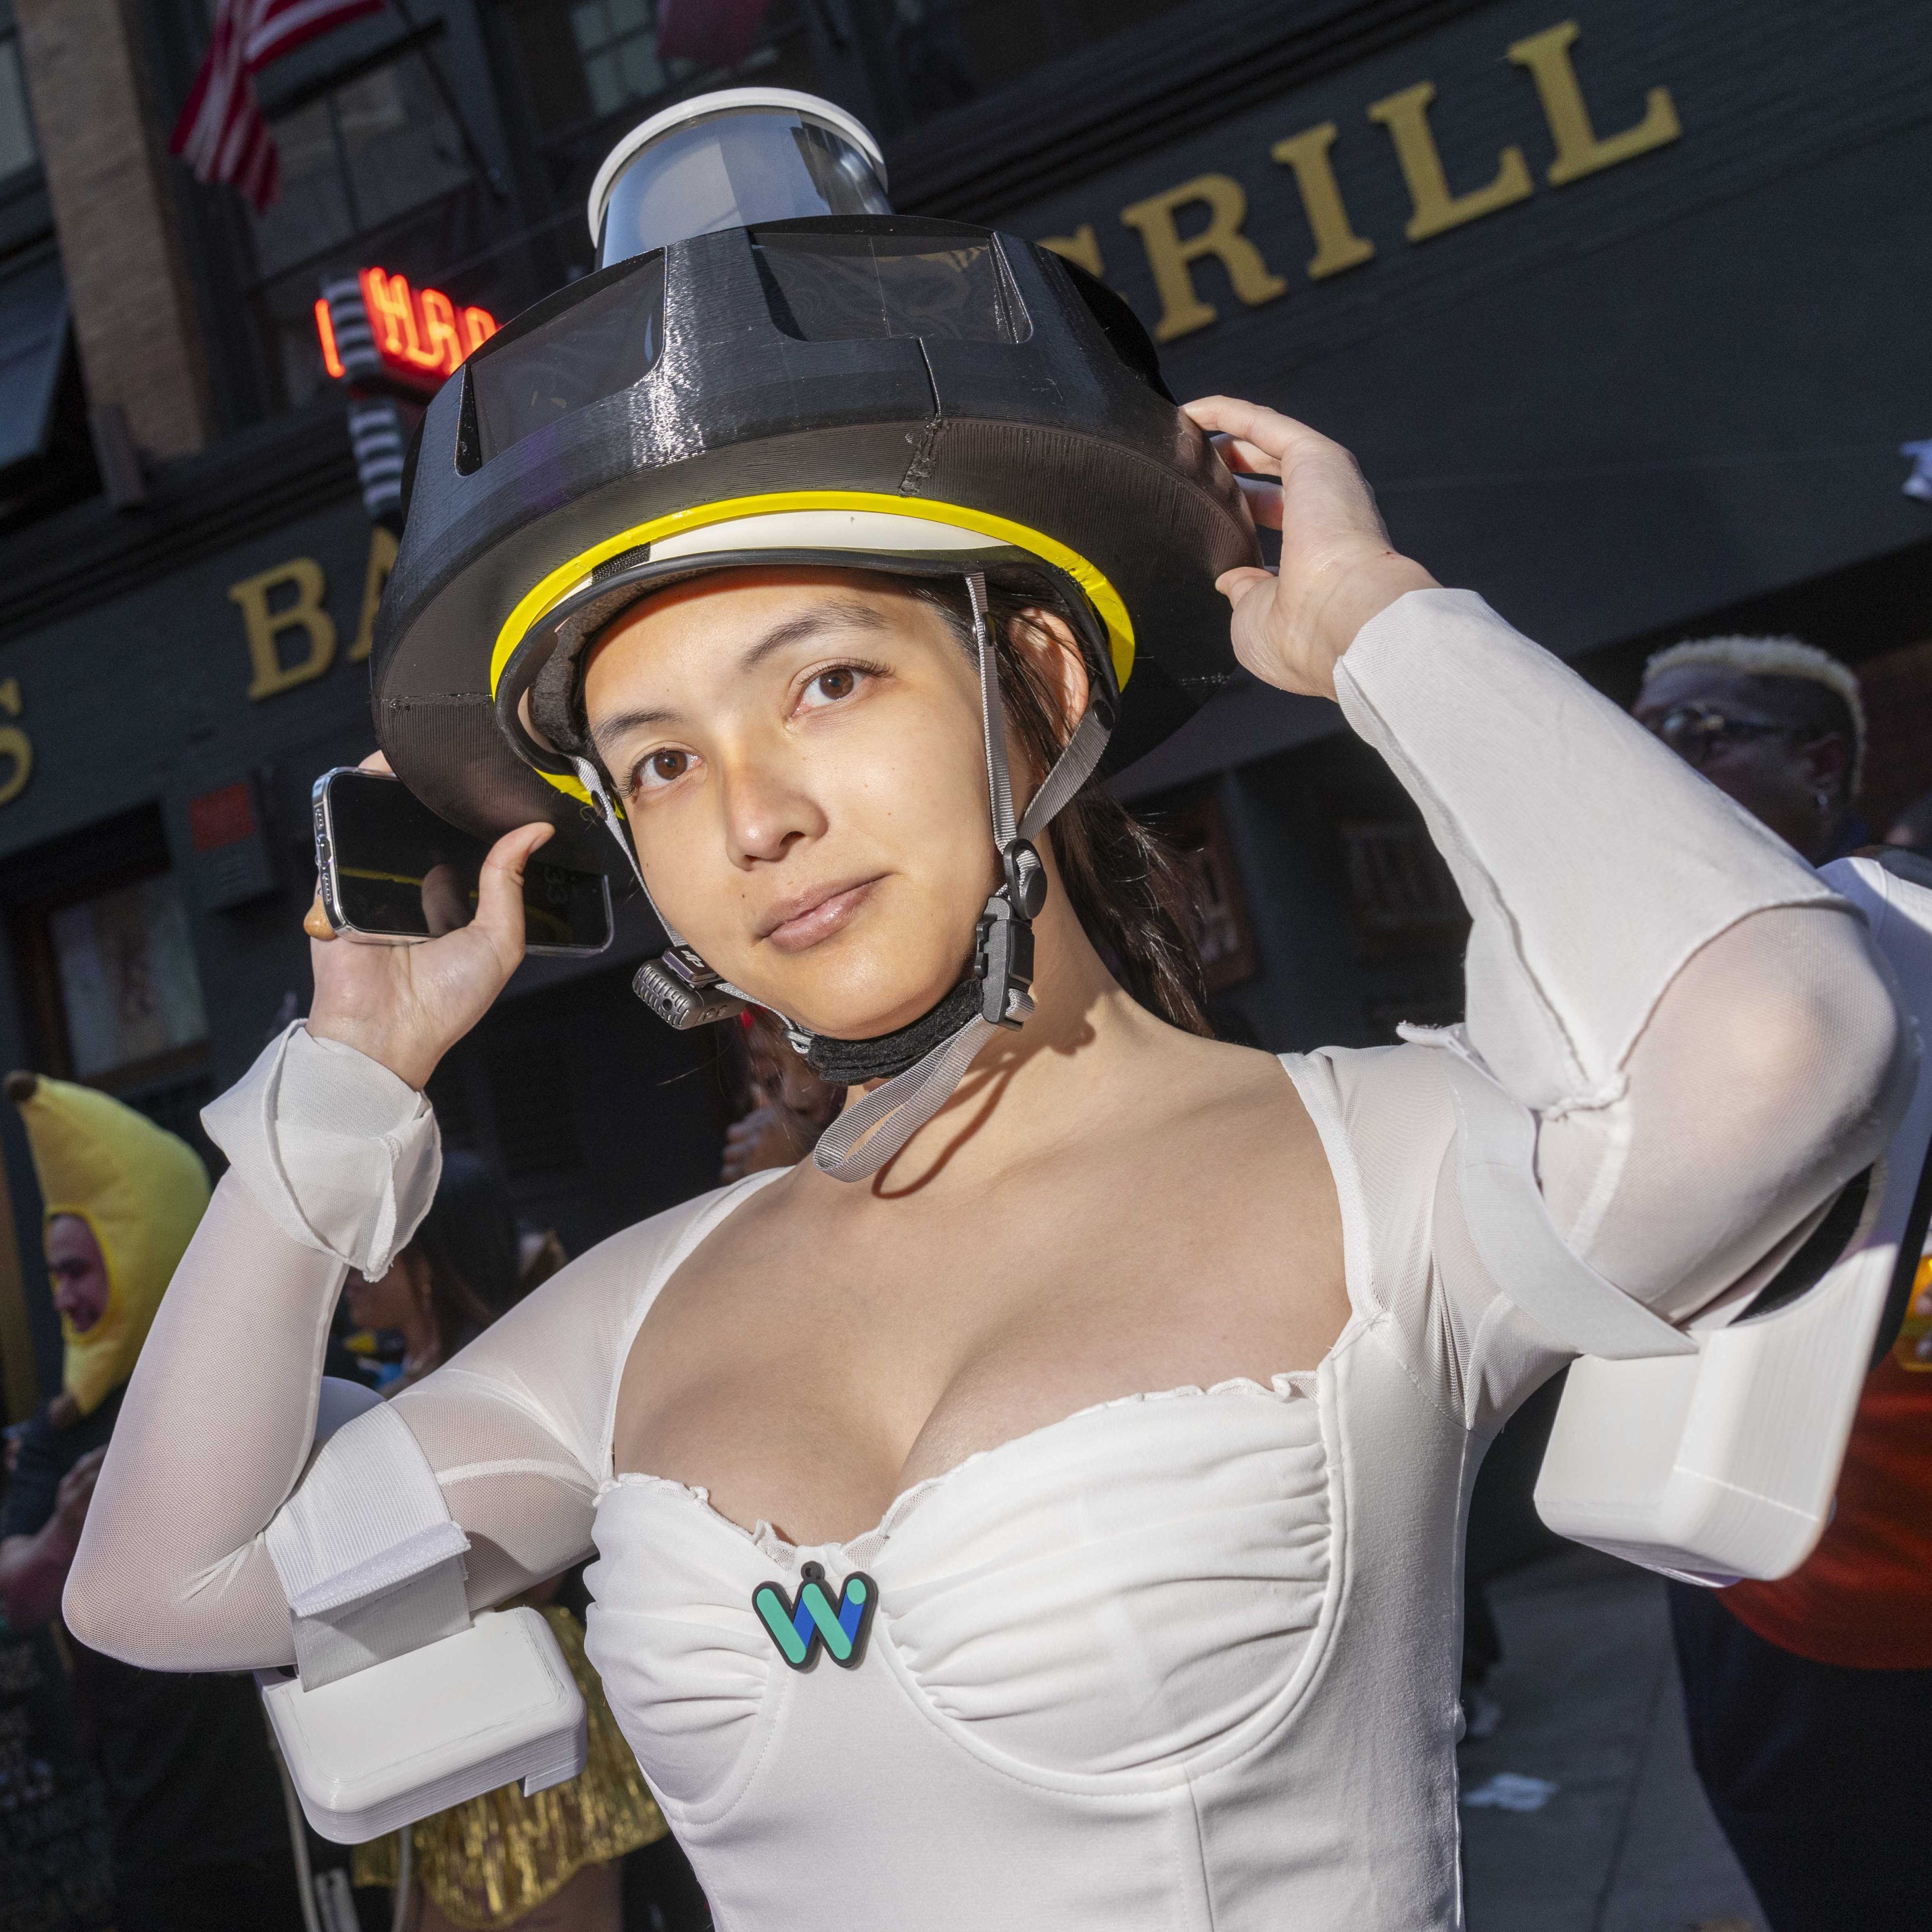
583 61
374 172
107 961
365 152
616 41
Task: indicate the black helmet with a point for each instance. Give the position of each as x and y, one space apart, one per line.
811 380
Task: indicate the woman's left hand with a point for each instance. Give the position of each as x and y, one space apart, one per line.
1338 569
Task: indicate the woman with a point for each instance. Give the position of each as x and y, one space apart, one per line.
1144 1387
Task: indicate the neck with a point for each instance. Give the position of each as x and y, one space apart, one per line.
1086 1041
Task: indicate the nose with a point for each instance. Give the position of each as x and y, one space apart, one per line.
767 810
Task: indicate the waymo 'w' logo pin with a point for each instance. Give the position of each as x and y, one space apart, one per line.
798 1630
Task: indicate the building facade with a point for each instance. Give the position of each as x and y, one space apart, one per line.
1621 306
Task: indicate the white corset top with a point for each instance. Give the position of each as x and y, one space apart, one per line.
1105 1609
1070 1605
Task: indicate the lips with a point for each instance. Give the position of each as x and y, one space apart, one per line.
806 919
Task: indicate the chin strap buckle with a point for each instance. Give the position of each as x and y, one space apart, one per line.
1003 962
683 991
1002 944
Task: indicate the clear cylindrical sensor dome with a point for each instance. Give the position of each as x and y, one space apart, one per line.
730 160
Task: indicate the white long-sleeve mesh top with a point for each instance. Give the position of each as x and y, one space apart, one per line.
1185 1660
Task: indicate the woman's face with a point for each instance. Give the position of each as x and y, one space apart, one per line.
799 757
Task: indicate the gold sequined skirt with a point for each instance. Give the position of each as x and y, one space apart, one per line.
487 1862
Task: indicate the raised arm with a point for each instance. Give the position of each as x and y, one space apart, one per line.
1704 1034
335 1160
1704 1030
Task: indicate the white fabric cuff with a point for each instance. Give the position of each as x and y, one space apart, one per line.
342 1155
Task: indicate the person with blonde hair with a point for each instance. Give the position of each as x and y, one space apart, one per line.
1810 1699
1776 724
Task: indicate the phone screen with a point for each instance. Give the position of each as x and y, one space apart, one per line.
391 868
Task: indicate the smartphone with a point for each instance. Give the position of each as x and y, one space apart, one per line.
392 870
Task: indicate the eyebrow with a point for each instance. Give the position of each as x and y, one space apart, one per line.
842 614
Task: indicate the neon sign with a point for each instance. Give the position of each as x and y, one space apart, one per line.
419 334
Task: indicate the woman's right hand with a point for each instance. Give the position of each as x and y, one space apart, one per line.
1338 567
407 1006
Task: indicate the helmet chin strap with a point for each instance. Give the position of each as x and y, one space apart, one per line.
681 990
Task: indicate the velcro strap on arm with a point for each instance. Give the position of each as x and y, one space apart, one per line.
1517 1242
370 1558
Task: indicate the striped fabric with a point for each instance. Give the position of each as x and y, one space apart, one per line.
221 134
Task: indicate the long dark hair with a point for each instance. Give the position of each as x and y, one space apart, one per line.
1127 885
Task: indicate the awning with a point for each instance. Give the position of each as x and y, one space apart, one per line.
33 340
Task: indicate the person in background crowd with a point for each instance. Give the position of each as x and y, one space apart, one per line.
1810 1699
790 1106
198 1830
56 1857
550 1863
1776 724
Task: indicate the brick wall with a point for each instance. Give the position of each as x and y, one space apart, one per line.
102 142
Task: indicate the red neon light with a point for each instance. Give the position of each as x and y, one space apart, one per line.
392 317
325 328
420 334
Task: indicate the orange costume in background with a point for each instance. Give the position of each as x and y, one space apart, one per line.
1863 1598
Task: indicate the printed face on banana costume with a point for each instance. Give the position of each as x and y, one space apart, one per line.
78 1269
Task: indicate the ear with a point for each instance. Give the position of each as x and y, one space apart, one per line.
1046 640
1828 763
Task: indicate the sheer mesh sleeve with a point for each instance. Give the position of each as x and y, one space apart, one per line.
172 1571
1704 1032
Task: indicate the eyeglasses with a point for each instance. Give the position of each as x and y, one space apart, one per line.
1696 731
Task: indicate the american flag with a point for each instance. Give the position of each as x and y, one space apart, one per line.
221 134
